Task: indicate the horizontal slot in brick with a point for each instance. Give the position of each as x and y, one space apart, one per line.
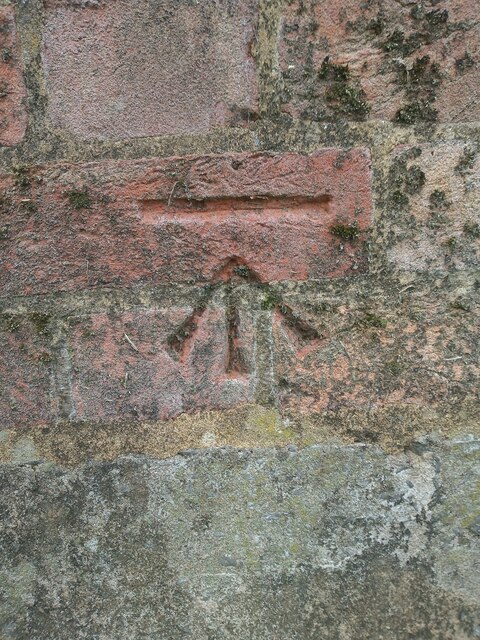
255 208
283 216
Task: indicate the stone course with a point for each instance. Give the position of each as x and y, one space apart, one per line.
329 542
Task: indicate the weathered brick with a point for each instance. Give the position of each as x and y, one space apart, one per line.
26 361
262 216
417 347
385 59
432 216
152 364
13 117
122 69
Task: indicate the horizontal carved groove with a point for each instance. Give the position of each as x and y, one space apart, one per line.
158 211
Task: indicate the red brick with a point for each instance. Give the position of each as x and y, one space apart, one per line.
121 69
13 117
183 220
435 226
26 362
398 53
150 365
361 354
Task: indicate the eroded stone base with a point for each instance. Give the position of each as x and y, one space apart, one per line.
326 542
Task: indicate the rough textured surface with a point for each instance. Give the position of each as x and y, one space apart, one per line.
394 428
167 362
13 116
25 370
402 61
303 348
248 224
121 69
331 542
267 216
435 194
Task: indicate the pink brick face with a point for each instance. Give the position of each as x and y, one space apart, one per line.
151 364
13 118
269 217
122 69
364 354
143 364
406 61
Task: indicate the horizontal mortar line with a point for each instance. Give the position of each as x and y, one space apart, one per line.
191 208
163 295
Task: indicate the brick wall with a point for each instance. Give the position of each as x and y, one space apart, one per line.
207 206
250 227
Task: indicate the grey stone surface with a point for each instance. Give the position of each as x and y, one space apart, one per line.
327 542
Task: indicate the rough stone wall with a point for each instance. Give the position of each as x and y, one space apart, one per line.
239 319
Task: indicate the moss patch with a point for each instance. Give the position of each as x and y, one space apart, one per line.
415 112
79 199
348 232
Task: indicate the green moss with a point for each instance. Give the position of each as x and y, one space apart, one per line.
400 46
436 19
394 367
371 319
417 12
347 100
415 112
21 176
414 179
451 243
10 322
419 83
471 229
79 199
29 205
345 231
243 271
40 321
270 300
466 162
422 73
4 89
399 199
331 71
376 25
6 55
464 63
394 42
439 201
